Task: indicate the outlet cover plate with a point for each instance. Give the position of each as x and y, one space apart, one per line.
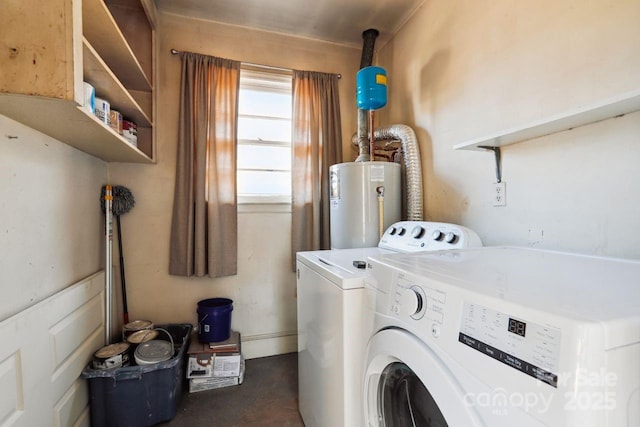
500 194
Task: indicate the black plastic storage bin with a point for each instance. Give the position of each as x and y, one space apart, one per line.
139 396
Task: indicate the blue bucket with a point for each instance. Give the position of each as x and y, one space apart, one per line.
214 319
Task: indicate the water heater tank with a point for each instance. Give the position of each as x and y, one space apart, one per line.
355 203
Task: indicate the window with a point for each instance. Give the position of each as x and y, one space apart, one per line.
264 137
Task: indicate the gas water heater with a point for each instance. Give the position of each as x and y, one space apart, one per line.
365 201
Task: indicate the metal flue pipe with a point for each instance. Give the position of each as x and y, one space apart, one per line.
364 154
369 36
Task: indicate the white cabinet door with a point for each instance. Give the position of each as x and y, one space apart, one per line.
44 350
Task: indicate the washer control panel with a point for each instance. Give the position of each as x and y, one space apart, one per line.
529 347
414 236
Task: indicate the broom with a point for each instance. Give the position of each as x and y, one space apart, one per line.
122 203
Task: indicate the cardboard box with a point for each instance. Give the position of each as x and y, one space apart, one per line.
202 384
214 365
224 360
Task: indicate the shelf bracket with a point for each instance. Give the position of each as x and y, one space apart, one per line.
496 152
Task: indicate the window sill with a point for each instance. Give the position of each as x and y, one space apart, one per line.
256 207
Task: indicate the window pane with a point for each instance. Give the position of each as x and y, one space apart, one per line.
264 129
252 156
259 182
258 103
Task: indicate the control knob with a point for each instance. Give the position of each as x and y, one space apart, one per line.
412 302
417 232
451 237
437 235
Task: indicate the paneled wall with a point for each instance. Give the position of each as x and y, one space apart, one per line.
51 225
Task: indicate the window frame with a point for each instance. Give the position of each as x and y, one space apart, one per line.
265 79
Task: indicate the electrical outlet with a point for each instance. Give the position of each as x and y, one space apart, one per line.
500 194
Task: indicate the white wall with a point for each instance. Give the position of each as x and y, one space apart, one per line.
264 289
50 219
463 70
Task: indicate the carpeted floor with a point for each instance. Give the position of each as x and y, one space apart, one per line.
267 397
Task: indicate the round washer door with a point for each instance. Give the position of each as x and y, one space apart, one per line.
407 385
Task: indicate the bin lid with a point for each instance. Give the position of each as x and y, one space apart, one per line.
142 336
137 325
154 351
111 350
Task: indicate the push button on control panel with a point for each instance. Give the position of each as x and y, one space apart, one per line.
435 330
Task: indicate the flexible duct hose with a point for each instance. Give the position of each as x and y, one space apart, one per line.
413 169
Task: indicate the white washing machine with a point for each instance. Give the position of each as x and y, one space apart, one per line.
503 337
332 332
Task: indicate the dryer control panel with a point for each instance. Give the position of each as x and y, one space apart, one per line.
417 236
526 346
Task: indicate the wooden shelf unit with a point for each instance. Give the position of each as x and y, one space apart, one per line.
71 42
100 27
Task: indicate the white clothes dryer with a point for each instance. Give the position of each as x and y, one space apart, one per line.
332 332
503 337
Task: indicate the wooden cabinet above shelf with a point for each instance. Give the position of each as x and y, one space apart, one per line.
101 29
49 57
108 86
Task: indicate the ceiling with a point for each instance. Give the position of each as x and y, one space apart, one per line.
337 21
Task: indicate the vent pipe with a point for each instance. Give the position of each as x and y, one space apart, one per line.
412 168
364 154
369 36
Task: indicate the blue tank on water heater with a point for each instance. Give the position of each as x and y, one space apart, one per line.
371 88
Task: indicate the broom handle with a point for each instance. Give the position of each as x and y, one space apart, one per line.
122 279
108 234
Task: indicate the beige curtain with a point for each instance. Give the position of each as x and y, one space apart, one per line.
317 144
204 224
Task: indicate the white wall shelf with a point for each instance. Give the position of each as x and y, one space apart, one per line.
618 106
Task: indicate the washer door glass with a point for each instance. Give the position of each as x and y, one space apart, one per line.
404 401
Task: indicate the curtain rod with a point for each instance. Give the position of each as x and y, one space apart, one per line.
175 52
